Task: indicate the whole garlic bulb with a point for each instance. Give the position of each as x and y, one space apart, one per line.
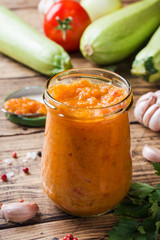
147 110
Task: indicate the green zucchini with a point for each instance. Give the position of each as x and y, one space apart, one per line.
114 37
23 43
147 61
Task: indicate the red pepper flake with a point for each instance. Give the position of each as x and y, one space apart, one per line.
14 155
21 200
4 177
1 160
25 170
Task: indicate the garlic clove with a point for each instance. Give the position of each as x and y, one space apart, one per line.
142 107
19 212
145 97
151 153
154 123
148 114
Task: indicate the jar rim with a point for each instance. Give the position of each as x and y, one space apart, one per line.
73 71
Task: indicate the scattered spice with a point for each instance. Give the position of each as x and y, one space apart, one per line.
66 238
39 153
14 155
24 160
31 155
10 174
69 237
4 177
8 161
25 170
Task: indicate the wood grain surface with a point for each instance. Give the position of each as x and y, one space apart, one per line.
52 222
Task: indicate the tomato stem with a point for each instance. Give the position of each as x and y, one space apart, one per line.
64 25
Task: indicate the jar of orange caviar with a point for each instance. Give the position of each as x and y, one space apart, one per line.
86 167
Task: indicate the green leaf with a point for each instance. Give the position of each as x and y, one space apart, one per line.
124 230
141 190
149 225
135 200
156 167
155 196
141 230
157 227
143 204
133 210
155 209
140 237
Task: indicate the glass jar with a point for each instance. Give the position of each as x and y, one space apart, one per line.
86 167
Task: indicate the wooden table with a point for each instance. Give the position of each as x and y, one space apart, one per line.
52 222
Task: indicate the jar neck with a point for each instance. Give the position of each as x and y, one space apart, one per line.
88 113
95 75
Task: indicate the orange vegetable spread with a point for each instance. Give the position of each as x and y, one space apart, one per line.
85 94
24 106
86 166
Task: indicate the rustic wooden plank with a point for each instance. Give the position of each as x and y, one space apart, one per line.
83 228
20 4
18 70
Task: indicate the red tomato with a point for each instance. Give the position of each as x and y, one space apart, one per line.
65 22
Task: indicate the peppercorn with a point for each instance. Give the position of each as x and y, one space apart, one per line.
14 155
4 177
26 170
66 238
39 153
70 236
